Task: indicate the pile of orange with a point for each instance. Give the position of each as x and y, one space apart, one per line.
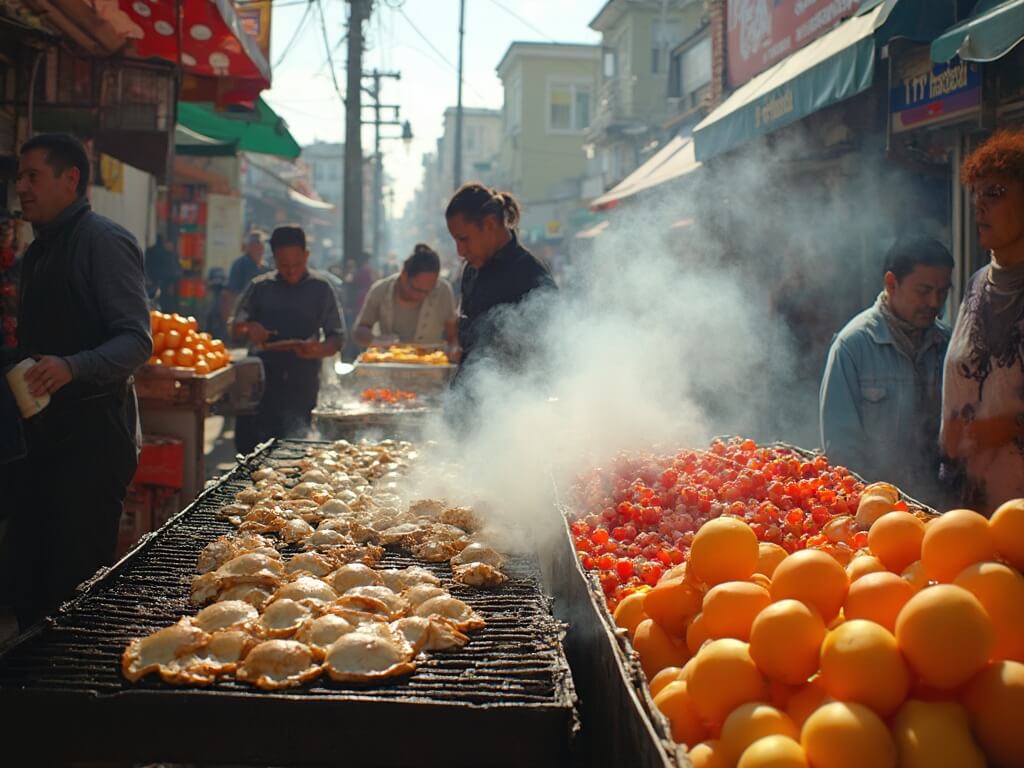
912 654
177 343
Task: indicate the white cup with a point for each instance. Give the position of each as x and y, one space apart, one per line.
28 404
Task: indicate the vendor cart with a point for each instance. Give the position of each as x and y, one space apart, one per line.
175 402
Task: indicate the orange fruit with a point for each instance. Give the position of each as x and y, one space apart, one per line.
216 360
847 735
657 649
707 754
154 319
785 641
200 350
761 580
769 556
723 677
724 549
895 539
191 323
883 489
154 360
1007 526
805 700
945 635
671 603
168 357
163 322
216 345
750 722
202 368
861 662
172 340
205 337
731 607
813 578
915 576
630 612
862 565
1000 590
178 323
774 752
663 678
676 703
159 342
995 700
873 506
954 541
185 358
696 633
933 733
878 597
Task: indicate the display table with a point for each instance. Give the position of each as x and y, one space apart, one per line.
176 402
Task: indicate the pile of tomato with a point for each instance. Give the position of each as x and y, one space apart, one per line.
388 396
637 517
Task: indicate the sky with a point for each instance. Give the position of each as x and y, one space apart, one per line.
418 38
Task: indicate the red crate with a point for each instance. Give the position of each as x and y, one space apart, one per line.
136 518
161 462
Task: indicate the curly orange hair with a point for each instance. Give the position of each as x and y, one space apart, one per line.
1002 154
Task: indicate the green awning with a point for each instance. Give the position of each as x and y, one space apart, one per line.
836 66
260 130
992 32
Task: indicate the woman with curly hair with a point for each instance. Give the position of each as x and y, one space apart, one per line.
983 390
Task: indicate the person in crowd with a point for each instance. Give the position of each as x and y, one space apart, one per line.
298 307
163 271
83 317
412 306
879 402
499 272
244 270
983 391
360 279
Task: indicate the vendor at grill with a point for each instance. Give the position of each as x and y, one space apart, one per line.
499 272
295 304
414 306
83 317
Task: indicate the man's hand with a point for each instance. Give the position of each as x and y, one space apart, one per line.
257 333
316 349
48 375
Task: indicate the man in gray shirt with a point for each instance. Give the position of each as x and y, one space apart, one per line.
83 317
298 309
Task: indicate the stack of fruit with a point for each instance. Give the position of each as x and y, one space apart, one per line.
910 655
178 344
640 515
387 396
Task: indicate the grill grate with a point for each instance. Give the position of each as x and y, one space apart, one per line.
513 673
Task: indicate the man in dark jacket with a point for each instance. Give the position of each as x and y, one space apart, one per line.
83 317
163 271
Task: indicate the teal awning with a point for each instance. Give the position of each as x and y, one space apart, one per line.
992 32
836 66
260 130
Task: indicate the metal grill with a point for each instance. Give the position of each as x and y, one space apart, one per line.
505 699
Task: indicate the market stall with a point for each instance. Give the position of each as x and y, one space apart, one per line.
500 695
755 605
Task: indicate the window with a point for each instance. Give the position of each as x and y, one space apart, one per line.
664 37
610 63
690 74
568 107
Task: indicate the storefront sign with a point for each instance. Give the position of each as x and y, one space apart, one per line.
254 17
922 93
763 32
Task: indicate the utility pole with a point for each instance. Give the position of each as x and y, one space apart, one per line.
378 161
457 170
353 199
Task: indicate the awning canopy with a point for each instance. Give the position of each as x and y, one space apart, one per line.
834 67
220 61
592 232
260 130
993 31
673 161
308 202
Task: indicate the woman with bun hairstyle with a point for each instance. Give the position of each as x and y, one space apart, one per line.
499 272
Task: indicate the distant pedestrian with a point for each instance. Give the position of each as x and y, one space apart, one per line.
163 271
880 396
243 270
983 396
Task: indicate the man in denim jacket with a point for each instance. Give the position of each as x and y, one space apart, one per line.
881 395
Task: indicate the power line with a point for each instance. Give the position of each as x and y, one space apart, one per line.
523 21
434 48
295 36
327 47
